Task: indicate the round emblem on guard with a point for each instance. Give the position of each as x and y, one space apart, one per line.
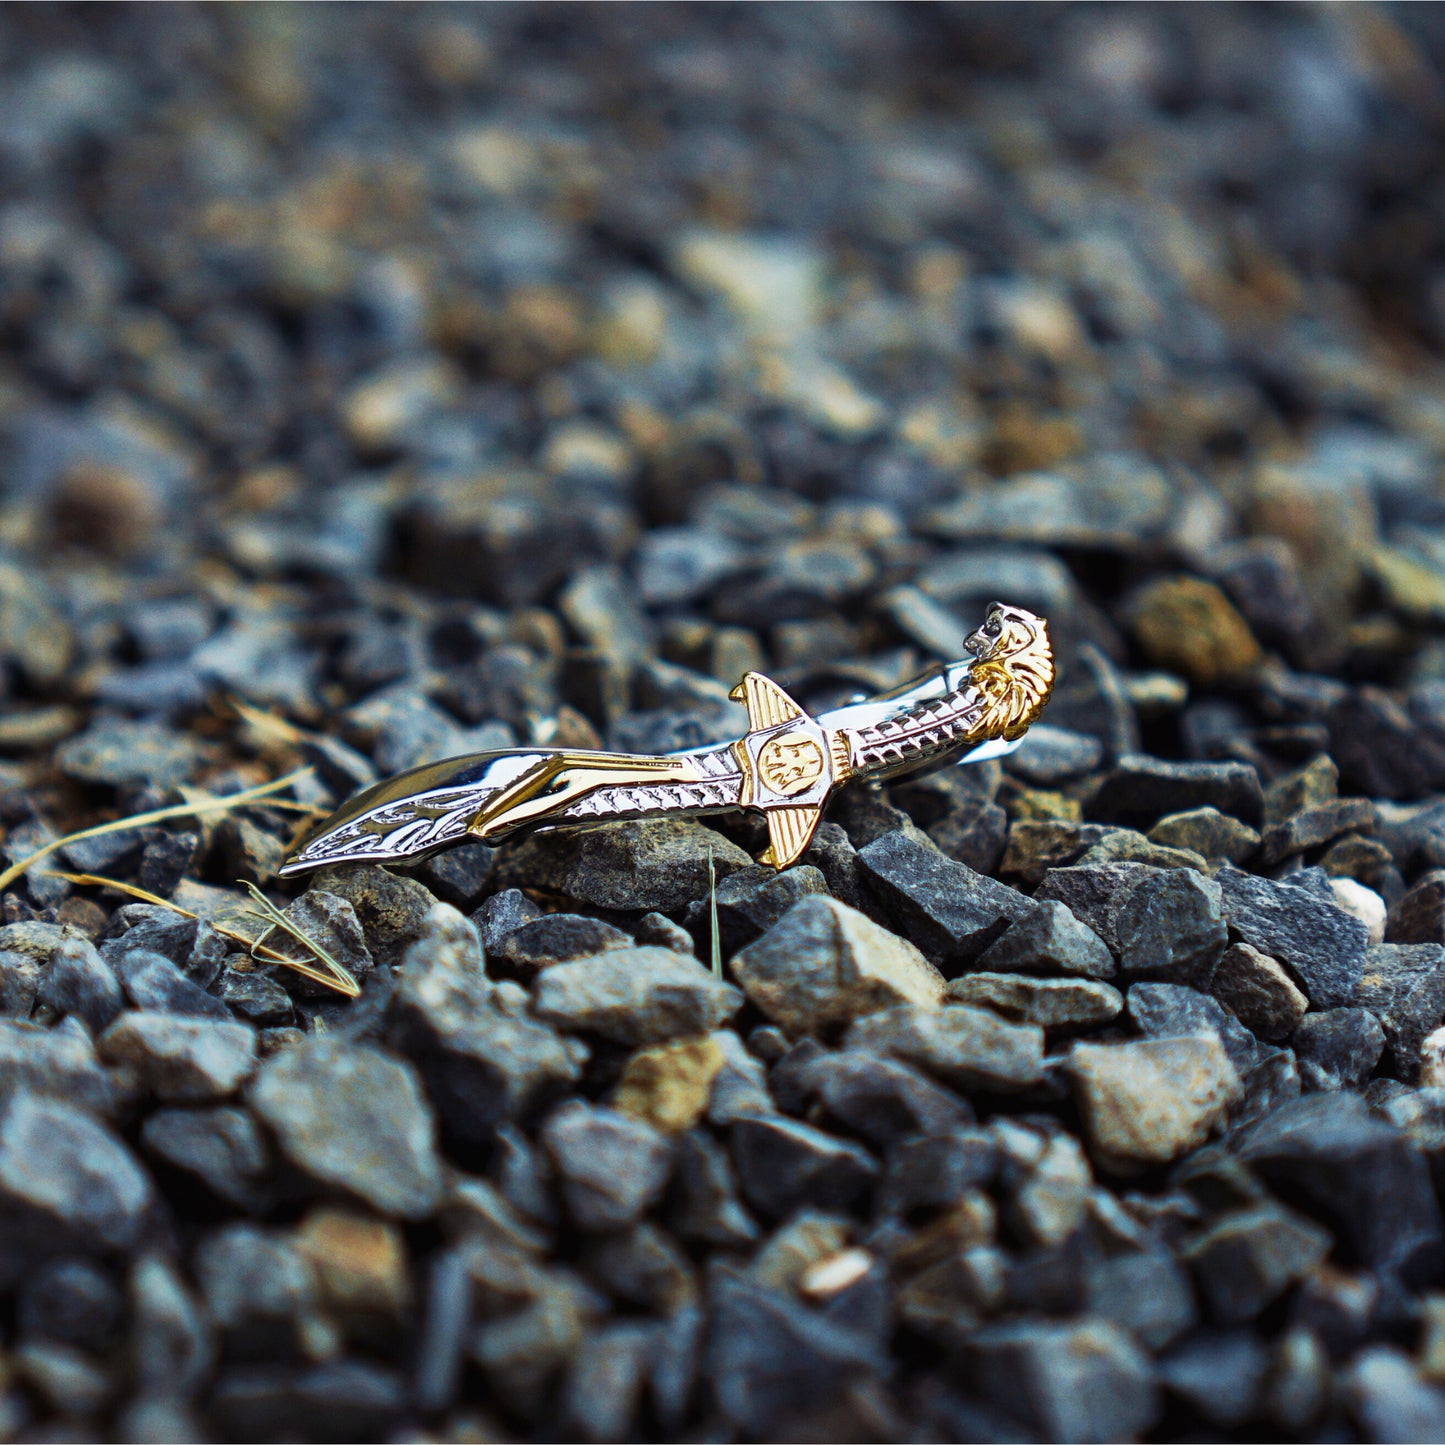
790 763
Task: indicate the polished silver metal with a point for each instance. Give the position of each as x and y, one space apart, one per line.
786 765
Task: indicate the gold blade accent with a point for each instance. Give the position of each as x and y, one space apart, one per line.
563 778
790 830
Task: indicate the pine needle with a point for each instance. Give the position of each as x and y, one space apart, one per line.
712 908
202 804
340 979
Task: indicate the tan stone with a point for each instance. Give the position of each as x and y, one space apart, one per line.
668 1085
1258 992
1190 626
1149 1102
359 1260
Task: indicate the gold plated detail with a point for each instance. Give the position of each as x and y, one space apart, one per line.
1014 679
790 763
787 765
567 777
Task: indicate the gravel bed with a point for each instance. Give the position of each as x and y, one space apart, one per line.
383 383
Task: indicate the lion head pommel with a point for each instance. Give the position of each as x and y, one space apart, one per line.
1014 671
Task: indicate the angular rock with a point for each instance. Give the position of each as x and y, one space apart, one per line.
19 984
483 1060
611 1168
1208 832
1246 1261
151 981
752 900
114 753
773 1358
1140 790
558 938
1036 845
635 996
1050 1193
169 1336
353 1116
1391 1400
73 1302
253 1279
1314 827
704 1207
459 876
1219 1373
222 1147
1379 749
1188 625
1052 1003
158 930
1370 862
606 1380
256 998
66 1181
178 1058
1094 894
643 1266
660 864
1321 945
1050 940
1169 1010
1419 916
1172 928
502 914
1313 785
1337 1048
34 939
1356 1171
78 981
1148 1294
783 1164
968 1048
1051 755
668 1085
878 1098
332 922
740 1087
1147 1103
823 964
948 910
1403 986
60 1062
936 1170
1258 992
1125 845
391 910
359 1261
656 930
1086 1381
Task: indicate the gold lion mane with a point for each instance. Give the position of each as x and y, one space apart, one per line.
1015 678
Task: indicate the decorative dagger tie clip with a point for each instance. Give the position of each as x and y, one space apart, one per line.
786 765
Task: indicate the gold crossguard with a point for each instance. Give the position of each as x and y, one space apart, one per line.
780 762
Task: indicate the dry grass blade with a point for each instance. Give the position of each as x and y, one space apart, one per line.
267 724
712 907
190 809
341 980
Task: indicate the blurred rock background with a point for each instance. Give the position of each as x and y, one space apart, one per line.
379 383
